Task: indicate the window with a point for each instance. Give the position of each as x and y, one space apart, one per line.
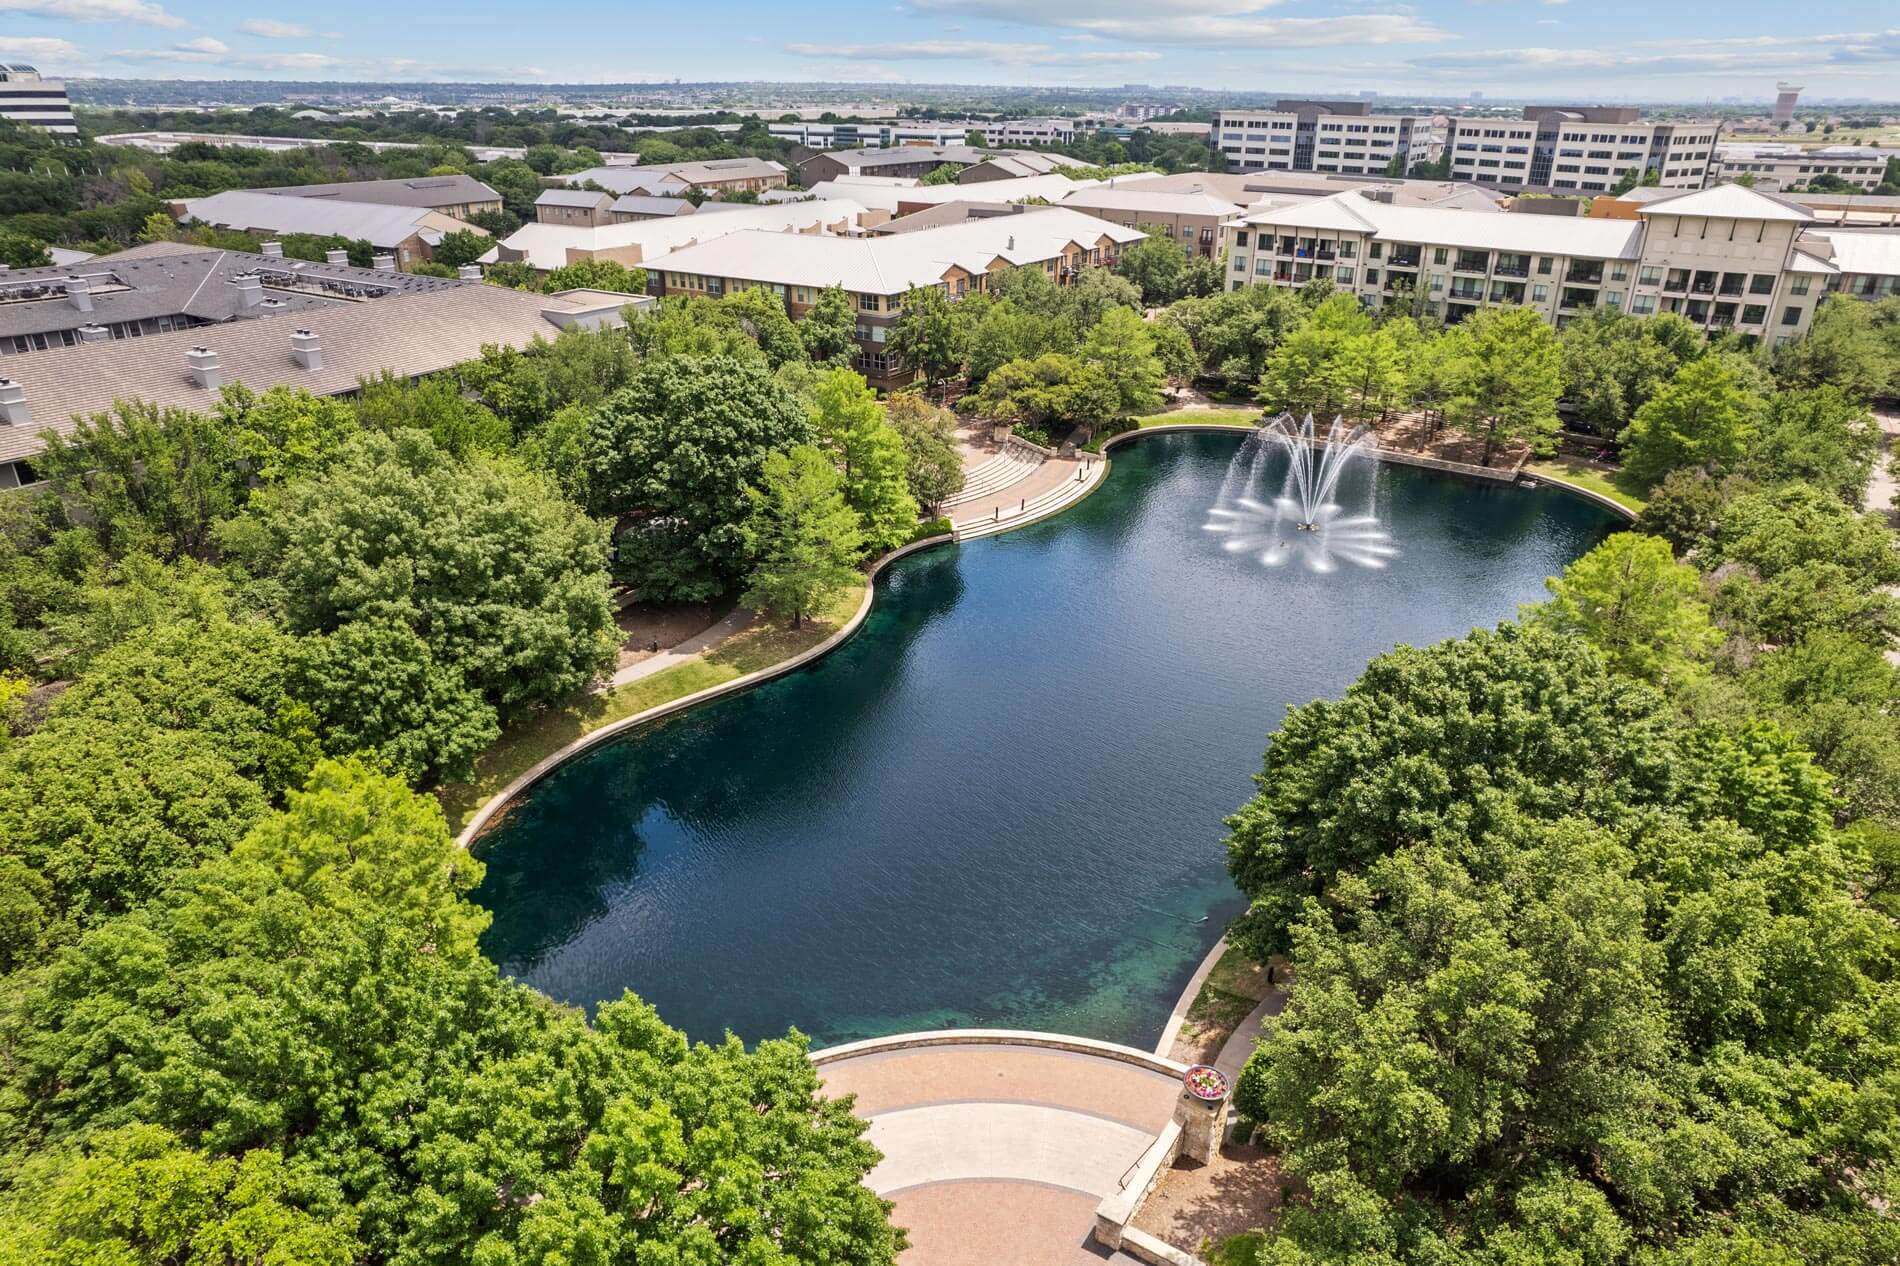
1240 264
1375 251
1263 266
1345 276
1800 287
1754 313
1440 255
1240 237
1642 305
1543 265
1761 284
1372 276
1540 294
1791 315
1649 277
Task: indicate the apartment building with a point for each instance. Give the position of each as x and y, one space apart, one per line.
673 180
1589 149
1017 165
1777 167
30 100
592 207
408 234
1193 218
545 246
1724 258
879 270
911 162
172 323
458 196
1323 136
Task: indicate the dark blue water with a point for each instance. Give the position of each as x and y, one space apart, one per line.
1001 803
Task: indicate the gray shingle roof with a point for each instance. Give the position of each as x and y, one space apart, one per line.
176 279
407 335
425 192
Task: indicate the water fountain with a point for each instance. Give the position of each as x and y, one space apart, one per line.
1303 520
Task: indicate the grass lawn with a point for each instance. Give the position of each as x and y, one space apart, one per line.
1202 417
540 736
1613 484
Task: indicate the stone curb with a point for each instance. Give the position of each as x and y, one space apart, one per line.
1147 1060
1608 503
548 764
1192 990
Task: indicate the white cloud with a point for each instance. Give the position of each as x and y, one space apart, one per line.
38 49
1197 24
271 29
139 11
1836 54
1005 52
204 44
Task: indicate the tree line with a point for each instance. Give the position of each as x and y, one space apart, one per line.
1595 916
244 1015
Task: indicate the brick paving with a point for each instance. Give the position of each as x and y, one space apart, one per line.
1021 1224
888 1080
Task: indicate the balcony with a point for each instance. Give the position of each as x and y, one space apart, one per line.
1470 294
1584 275
1403 259
1519 271
1573 298
1471 262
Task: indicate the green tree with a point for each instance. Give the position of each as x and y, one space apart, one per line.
1004 331
1820 436
830 328
933 464
1374 368
1843 348
463 246
1048 390
596 274
145 477
1095 293
1506 374
1308 370
17 250
1120 347
1156 265
1636 604
285 433
673 452
1175 350
434 406
849 426
500 580
944 175
803 533
1613 364
1703 419
763 316
931 335
692 326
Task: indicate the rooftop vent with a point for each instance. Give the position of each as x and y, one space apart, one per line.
94 334
336 257
250 290
306 349
13 410
79 290
202 364
469 272
383 263
273 249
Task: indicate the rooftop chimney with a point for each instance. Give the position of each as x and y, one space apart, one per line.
13 410
79 290
250 291
306 349
336 257
202 362
1012 242
469 272
383 263
94 334
273 249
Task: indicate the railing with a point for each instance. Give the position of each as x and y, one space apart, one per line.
1512 270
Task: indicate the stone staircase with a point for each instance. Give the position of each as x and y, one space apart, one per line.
1014 464
1039 506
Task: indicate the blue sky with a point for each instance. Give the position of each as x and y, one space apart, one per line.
1652 49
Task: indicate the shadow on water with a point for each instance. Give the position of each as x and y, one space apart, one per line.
1000 803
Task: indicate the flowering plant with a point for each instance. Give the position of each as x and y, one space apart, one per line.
1204 1082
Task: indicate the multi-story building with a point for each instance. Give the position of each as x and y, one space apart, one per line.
1776 167
28 99
545 246
905 161
459 195
408 234
873 134
173 323
592 207
166 142
1324 136
1724 258
1589 149
1030 131
1786 97
879 270
1192 217
673 180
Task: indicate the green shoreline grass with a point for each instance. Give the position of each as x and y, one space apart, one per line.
1613 484
538 737
1201 417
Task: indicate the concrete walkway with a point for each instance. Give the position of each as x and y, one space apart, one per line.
689 649
1234 1052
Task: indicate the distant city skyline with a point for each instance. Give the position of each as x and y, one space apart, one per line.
1611 49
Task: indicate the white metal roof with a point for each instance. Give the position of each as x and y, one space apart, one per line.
1054 188
895 263
546 246
1862 254
1449 226
570 198
1728 202
374 222
1161 202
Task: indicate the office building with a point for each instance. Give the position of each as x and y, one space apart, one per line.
1725 258
1320 136
28 99
1777 167
1786 96
1587 149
